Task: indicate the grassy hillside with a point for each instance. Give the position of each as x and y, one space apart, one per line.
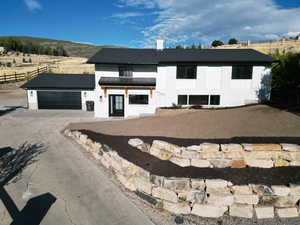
73 48
270 47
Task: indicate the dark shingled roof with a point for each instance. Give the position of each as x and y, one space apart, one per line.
127 81
154 57
61 81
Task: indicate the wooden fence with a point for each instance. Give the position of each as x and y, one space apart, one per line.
5 78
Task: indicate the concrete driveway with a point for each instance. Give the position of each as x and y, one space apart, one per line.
84 194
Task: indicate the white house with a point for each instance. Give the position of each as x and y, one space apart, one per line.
134 82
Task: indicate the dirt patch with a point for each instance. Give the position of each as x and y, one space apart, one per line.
11 86
272 176
253 124
251 121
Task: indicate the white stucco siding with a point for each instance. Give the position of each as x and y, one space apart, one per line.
113 71
130 110
32 99
211 80
86 95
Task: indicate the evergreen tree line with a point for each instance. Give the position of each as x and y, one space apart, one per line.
11 44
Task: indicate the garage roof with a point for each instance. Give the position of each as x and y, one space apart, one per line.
61 81
127 81
154 57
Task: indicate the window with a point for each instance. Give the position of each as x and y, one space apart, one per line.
242 72
138 99
198 100
214 100
182 100
186 72
125 71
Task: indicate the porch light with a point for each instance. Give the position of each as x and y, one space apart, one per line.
31 93
100 98
84 94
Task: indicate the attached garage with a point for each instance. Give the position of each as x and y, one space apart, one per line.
59 99
60 91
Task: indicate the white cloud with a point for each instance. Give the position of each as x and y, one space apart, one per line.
292 34
149 4
33 5
126 15
203 21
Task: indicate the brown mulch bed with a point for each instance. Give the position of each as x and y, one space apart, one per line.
250 124
272 176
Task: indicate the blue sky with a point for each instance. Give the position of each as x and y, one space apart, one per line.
137 23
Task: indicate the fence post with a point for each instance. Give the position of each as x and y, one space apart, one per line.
16 76
4 77
38 71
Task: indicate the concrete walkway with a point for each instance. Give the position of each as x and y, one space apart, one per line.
84 194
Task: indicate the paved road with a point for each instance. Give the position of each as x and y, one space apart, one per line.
84 194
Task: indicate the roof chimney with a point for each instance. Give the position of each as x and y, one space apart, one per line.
159 44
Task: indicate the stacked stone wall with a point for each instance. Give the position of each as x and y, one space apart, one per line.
201 197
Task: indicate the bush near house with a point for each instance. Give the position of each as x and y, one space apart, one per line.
286 80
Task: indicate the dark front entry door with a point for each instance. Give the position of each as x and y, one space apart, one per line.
116 105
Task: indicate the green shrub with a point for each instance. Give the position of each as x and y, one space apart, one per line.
176 106
286 72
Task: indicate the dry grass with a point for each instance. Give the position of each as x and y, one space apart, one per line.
270 47
57 64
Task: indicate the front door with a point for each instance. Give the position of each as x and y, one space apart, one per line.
116 105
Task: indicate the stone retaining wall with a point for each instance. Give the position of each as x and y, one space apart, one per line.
224 155
201 197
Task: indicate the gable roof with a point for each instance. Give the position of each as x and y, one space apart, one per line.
154 57
61 81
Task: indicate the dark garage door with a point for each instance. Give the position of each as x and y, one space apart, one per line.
59 100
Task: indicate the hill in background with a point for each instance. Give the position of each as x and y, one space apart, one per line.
74 49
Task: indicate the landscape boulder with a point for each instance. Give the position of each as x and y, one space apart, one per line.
242 189
239 210
198 184
164 194
177 184
200 163
210 147
251 199
177 208
181 161
232 148
259 163
134 142
220 199
291 147
280 190
264 212
287 212
166 146
209 210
